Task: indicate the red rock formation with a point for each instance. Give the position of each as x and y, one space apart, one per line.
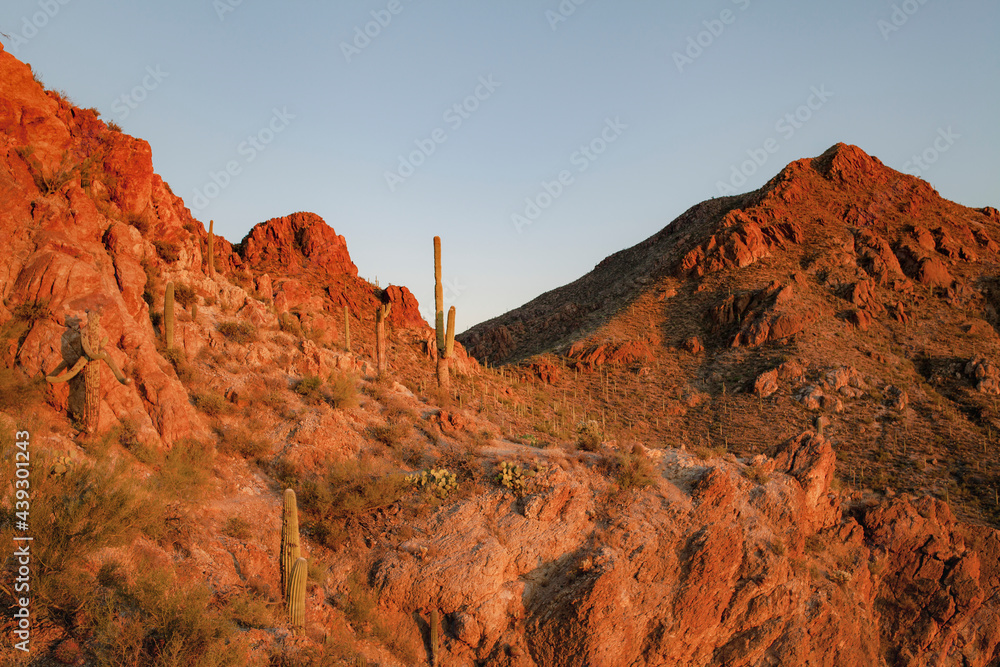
297 243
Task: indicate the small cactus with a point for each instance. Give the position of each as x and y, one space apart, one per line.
439 481
290 550
168 316
297 596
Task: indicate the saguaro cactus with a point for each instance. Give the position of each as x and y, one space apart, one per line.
445 340
211 249
90 363
289 539
168 316
381 314
297 596
347 330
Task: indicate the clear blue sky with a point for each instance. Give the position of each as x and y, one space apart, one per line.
671 118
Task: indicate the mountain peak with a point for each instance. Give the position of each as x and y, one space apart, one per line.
297 243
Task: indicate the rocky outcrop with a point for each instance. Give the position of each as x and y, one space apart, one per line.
296 244
722 563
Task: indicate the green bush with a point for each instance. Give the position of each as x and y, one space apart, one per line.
238 332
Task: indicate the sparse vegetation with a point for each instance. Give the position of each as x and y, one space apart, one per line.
168 252
238 331
631 470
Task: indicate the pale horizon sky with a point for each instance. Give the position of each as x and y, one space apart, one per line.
612 118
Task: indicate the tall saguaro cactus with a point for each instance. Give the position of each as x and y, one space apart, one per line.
381 315
445 340
90 363
297 596
289 539
168 316
211 249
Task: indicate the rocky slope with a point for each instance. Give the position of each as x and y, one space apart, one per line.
665 538
841 290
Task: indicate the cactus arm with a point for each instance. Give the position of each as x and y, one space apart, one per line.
68 375
106 358
449 340
88 351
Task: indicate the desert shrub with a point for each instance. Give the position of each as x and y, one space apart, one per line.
243 442
114 127
309 387
392 434
139 221
237 527
274 400
186 468
160 621
17 392
342 391
589 436
250 611
128 433
174 355
184 294
210 402
238 332
168 251
33 311
757 474
349 490
631 470
290 324
76 511
149 289
181 473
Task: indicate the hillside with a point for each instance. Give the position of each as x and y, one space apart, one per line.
842 290
647 485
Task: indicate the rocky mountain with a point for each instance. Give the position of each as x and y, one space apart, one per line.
762 437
